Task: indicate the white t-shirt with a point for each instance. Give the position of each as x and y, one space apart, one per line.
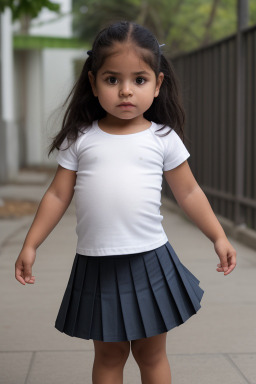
118 188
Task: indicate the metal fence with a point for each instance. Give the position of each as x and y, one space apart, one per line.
219 91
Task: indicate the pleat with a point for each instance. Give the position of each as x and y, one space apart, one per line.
186 278
163 296
62 314
112 318
190 275
74 303
129 303
96 326
179 285
151 317
87 299
194 284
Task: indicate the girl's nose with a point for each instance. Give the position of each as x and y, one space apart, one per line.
126 90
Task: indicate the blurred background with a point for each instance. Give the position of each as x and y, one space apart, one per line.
212 44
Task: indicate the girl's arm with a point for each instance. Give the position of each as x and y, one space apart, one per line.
193 201
51 209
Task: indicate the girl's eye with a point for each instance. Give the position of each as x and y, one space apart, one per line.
112 80
140 80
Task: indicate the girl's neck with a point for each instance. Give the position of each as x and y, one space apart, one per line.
112 125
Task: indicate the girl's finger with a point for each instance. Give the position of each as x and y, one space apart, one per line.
223 260
27 272
231 263
19 277
232 259
230 268
32 280
222 268
19 272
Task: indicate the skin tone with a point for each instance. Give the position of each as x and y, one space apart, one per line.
126 87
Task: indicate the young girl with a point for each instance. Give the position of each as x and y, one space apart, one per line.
122 130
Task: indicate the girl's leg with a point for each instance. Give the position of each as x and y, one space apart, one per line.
150 355
109 361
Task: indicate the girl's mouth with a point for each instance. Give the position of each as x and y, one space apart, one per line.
126 105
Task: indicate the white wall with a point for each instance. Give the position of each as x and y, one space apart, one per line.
58 80
34 107
9 156
44 80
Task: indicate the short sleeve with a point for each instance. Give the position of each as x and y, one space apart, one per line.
67 156
175 152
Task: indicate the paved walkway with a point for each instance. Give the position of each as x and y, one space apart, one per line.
218 345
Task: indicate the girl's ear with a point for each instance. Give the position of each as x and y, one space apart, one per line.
93 83
159 83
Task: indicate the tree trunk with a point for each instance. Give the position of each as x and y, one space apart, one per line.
207 35
25 24
143 13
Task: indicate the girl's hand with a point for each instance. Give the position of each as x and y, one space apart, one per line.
23 266
227 255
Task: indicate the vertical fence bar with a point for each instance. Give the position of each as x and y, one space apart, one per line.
249 149
223 126
231 124
242 12
254 119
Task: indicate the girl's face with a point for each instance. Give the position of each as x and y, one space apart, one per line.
125 85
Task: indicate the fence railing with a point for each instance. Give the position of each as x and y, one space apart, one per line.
219 91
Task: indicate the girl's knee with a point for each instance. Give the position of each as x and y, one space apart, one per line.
112 353
149 351
147 358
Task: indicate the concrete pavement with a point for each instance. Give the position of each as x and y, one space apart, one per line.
218 345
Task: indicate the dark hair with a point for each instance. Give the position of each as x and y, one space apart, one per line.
84 107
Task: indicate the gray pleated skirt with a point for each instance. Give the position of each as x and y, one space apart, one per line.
128 297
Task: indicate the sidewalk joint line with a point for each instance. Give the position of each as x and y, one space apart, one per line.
211 353
30 367
231 361
50 350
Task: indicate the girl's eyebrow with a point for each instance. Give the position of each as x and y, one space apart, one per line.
111 73
141 73
118 73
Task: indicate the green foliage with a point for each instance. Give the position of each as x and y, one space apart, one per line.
252 10
190 28
99 14
182 25
29 8
4 4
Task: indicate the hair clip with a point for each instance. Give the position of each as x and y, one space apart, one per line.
162 45
89 53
